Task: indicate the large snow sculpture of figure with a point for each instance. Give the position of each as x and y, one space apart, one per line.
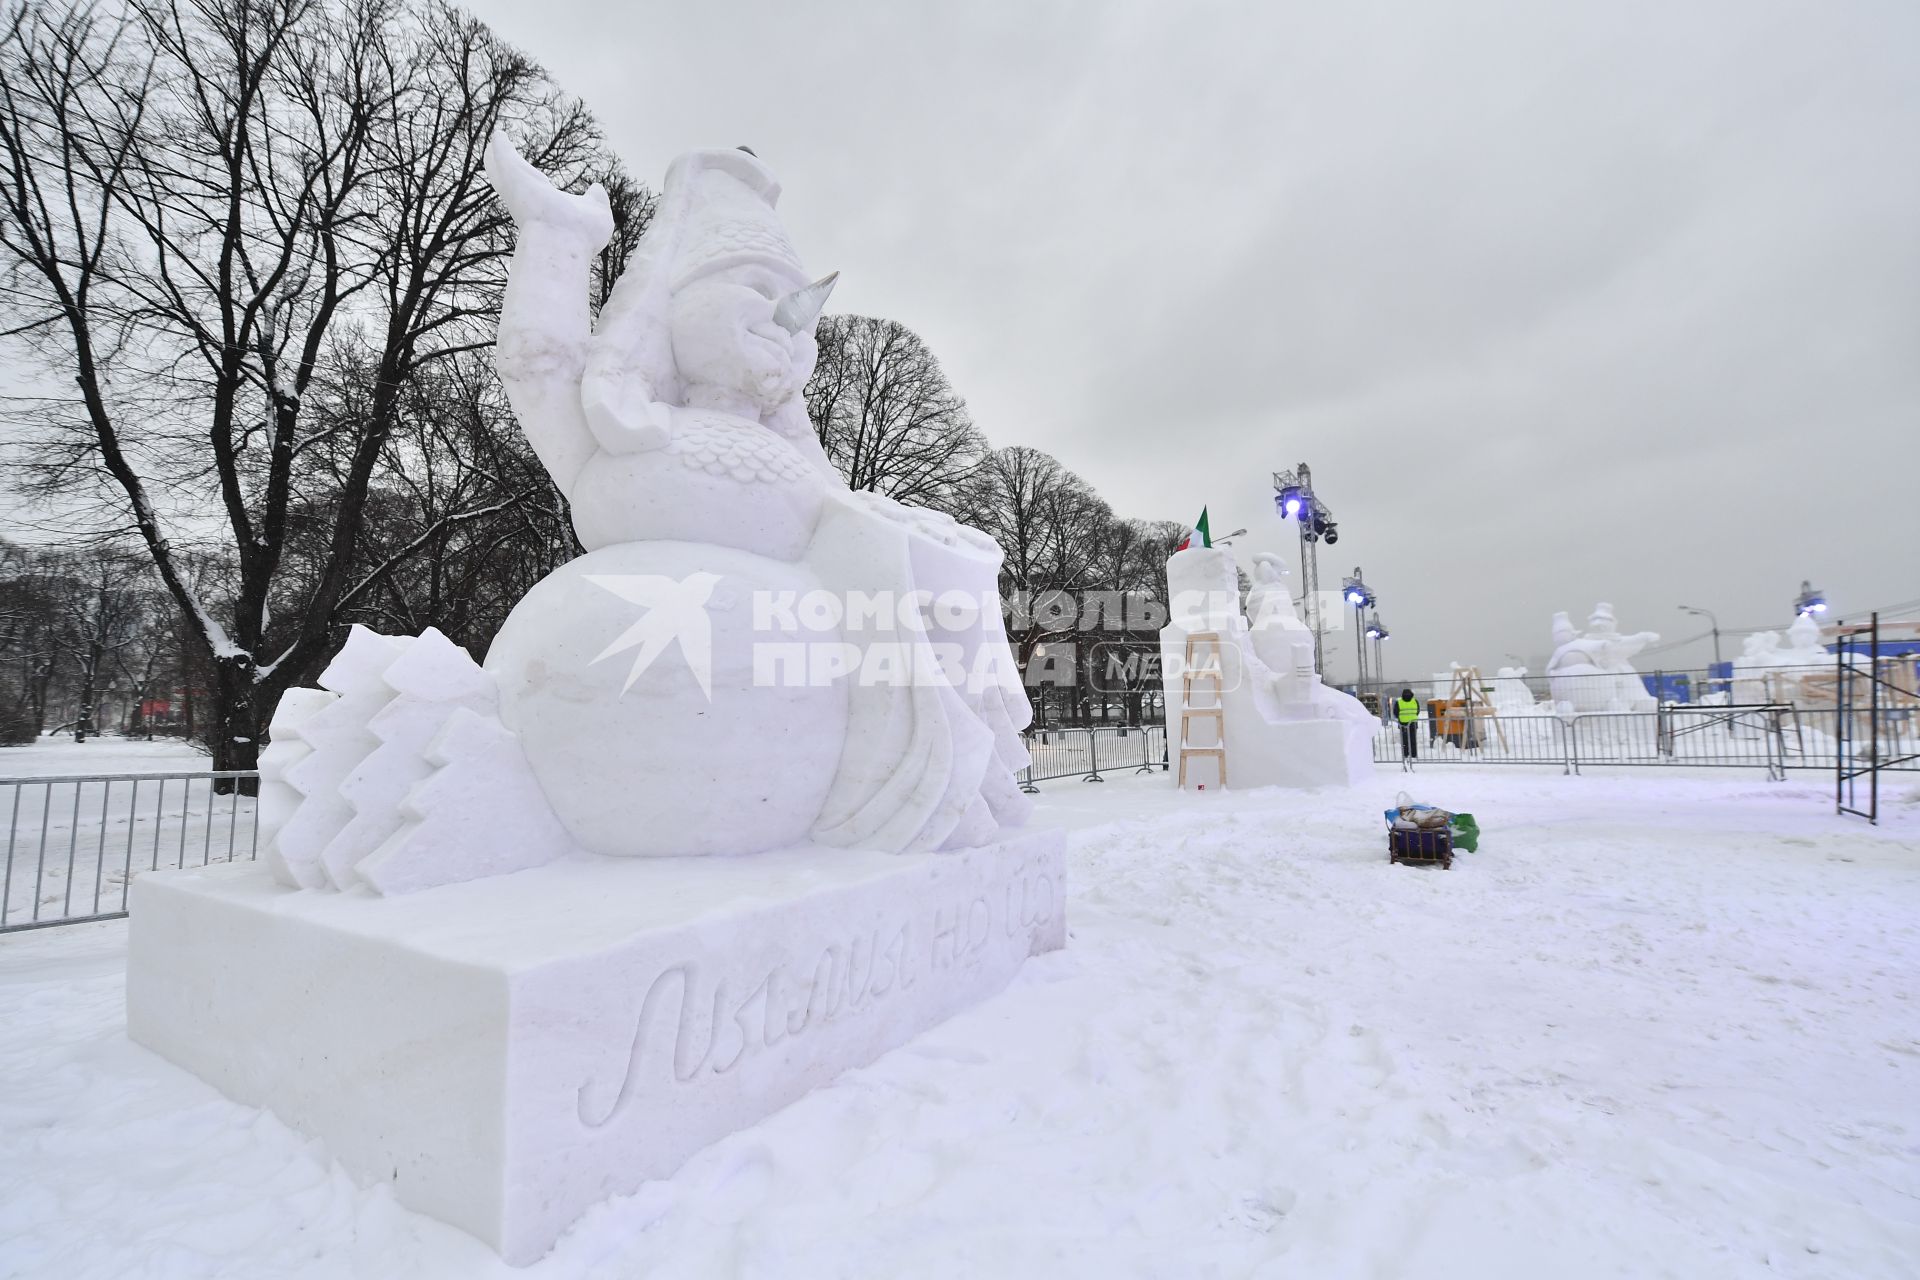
1594 671
447 984
1280 724
676 429
687 686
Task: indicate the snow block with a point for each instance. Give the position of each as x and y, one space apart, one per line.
509 1052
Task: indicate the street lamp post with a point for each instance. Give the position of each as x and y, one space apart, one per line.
1712 622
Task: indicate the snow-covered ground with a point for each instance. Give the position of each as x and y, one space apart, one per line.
63 757
1659 1025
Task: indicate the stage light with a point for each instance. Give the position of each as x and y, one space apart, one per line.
1333 533
1810 601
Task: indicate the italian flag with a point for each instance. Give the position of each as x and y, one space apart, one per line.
1199 536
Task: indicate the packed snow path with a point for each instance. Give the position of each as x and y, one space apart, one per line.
1657 1026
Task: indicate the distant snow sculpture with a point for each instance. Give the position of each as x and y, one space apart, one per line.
1511 696
1776 668
1594 671
1280 724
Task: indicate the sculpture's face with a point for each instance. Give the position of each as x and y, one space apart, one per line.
726 340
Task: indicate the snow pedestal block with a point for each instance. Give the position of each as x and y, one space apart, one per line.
509 1052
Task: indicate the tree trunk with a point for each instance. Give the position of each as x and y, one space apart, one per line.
37 696
89 690
236 733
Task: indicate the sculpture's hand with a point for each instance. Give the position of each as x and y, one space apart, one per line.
531 199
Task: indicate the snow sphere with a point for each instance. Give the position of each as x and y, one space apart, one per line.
599 670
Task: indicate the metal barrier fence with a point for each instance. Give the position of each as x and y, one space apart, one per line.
73 844
1086 753
1813 688
1772 738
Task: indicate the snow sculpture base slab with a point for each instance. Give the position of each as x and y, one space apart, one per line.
509 1052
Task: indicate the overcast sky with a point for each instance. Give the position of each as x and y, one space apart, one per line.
1562 302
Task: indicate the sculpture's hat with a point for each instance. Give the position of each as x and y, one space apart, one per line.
724 202
716 211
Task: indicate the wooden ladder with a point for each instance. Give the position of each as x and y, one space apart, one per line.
1189 713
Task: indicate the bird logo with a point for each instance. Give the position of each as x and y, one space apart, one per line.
676 612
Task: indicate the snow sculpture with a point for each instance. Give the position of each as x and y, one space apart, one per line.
1280 724
1280 639
1594 671
350 783
1772 668
1511 696
477 957
678 419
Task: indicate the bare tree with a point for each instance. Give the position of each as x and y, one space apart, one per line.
29 641
1043 516
463 507
202 204
103 614
886 414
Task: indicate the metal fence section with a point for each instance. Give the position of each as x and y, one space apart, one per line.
1088 753
73 844
1771 738
1519 740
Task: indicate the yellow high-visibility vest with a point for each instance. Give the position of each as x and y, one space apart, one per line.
1408 709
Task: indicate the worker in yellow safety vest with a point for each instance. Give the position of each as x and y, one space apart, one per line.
1406 709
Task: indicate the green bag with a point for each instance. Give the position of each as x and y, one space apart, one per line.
1466 832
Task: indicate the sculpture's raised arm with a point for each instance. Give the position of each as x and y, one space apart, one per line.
545 326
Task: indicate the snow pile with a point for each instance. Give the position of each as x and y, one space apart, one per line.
1657 1026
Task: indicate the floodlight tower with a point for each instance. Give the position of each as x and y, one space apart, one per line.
1357 593
1377 633
1294 499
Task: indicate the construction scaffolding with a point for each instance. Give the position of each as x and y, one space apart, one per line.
1876 720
